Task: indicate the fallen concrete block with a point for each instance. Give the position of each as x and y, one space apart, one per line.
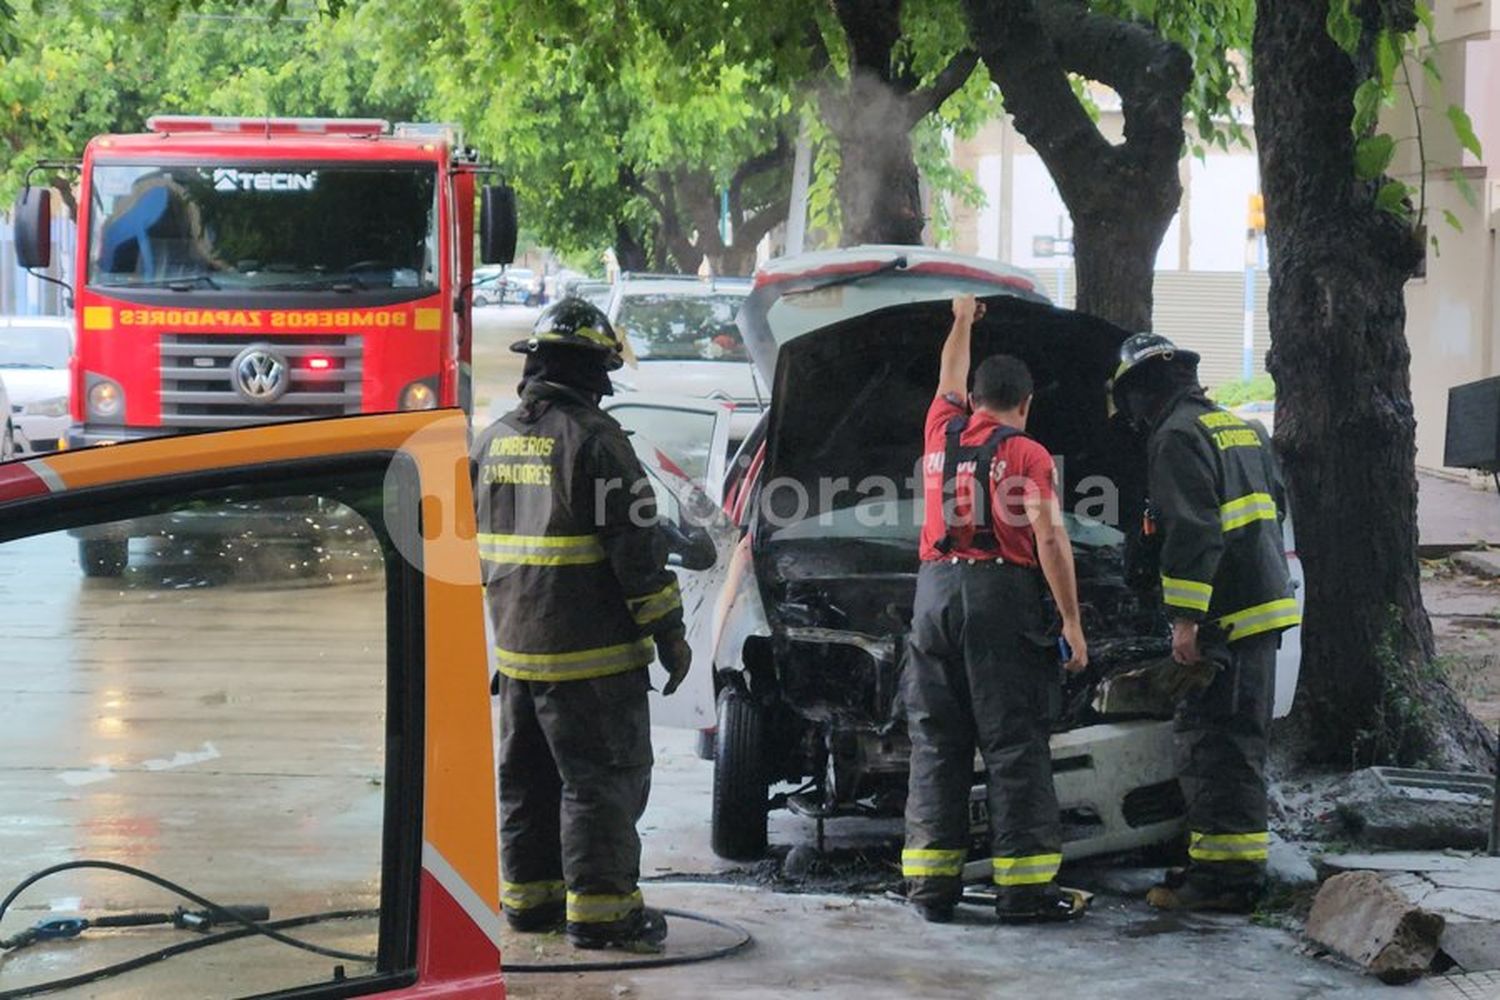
1416 810
1483 562
1367 918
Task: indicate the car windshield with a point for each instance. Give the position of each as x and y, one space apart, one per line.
675 327
267 226
33 347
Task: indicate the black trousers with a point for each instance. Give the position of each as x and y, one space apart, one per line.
575 773
981 672
1222 741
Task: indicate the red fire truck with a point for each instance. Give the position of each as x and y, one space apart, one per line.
240 271
237 271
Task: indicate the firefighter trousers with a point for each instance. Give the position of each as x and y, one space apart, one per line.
575 773
980 672
1222 740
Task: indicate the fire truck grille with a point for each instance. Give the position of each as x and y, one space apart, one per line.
198 383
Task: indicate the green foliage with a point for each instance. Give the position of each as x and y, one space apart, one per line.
1401 730
1386 52
1260 389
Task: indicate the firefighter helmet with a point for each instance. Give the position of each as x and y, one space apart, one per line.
576 323
1141 349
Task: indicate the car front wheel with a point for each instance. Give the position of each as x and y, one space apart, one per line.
8 443
741 790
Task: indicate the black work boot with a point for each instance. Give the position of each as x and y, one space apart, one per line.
542 919
644 932
1045 904
934 913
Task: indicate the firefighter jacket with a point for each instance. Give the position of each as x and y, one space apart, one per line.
573 562
1218 491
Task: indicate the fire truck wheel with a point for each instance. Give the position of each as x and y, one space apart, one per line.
103 557
741 791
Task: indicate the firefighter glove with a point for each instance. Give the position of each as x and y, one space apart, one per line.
676 657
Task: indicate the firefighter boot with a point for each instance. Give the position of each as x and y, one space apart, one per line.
1195 896
544 919
644 932
1045 904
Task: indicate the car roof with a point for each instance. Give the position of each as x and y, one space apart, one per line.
681 284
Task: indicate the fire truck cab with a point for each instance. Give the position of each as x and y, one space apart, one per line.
239 271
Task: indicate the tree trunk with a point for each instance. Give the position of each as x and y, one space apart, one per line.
629 251
1121 197
1345 427
880 200
1115 257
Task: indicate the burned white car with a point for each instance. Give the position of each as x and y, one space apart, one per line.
808 632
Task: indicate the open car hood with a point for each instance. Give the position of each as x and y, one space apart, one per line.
801 295
849 402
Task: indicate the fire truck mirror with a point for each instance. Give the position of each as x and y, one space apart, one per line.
33 228
497 224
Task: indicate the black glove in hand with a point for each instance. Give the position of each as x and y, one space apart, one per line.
676 657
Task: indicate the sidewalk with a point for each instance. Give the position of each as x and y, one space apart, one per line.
1452 513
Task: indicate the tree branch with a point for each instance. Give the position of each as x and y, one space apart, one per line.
944 85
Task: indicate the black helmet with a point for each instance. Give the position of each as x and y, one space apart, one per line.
1140 349
576 323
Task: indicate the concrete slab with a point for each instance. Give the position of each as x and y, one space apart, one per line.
1482 562
1396 861
1474 986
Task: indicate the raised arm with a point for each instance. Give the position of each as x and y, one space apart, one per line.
954 376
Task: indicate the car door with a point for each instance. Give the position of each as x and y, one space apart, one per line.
276 723
694 432
701 542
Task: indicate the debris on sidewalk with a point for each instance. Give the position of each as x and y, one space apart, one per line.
1381 910
1480 562
1368 919
1410 809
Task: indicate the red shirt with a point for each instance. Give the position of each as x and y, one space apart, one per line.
1022 470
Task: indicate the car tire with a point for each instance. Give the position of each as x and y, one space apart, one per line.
103 558
480 302
8 443
741 791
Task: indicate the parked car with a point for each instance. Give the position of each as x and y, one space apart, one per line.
597 292
488 286
34 364
681 332
824 510
518 286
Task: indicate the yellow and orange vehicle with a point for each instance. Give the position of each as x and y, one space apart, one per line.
316 735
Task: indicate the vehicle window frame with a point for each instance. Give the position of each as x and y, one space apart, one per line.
397 959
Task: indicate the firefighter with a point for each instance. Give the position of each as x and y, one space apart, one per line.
581 603
981 667
1217 500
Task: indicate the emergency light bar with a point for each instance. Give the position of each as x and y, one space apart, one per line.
268 126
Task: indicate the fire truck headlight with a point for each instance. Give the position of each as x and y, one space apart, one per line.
105 399
418 396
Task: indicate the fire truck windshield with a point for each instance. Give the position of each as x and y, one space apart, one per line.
264 227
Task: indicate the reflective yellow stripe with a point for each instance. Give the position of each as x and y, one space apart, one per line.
589 908
1188 594
540 550
652 607
1246 510
528 895
1228 846
1276 614
932 863
1035 869
579 665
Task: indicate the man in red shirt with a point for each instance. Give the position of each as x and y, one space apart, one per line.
982 669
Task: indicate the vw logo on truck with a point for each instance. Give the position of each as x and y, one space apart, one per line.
260 374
